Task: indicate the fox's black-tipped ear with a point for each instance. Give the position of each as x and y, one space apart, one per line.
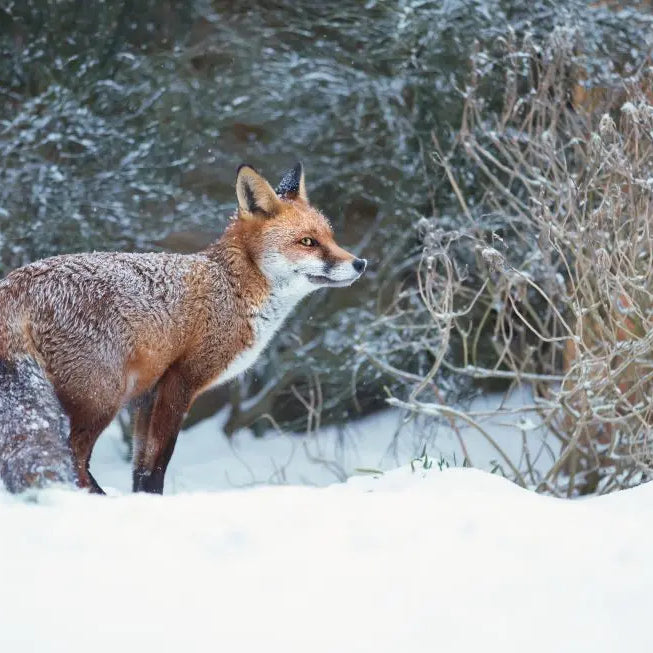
292 184
255 195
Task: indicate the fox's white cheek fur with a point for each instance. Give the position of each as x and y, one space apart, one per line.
289 277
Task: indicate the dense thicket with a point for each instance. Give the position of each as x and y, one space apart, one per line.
122 123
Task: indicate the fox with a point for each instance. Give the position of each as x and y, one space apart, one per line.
100 330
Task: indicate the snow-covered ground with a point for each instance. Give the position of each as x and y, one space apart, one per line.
412 559
453 560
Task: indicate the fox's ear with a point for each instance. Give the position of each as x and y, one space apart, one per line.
255 195
292 184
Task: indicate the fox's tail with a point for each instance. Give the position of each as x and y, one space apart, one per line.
34 429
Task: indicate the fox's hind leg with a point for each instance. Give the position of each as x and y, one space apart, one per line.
91 394
82 440
88 419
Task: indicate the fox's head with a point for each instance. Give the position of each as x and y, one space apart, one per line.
290 240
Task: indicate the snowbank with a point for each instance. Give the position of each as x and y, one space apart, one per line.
423 560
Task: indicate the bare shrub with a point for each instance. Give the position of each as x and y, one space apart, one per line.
550 281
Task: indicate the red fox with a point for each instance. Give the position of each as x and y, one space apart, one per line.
158 329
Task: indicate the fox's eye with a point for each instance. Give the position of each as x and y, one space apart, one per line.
308 242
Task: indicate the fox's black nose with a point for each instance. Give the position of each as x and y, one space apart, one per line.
359 264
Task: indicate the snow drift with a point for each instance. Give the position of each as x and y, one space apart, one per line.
414 559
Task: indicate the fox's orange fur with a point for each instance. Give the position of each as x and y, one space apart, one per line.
108 328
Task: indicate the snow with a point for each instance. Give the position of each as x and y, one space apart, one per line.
414 558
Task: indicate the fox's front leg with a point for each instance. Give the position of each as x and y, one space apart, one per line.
140 428
157 424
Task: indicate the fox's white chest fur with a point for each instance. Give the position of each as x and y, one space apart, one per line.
265 322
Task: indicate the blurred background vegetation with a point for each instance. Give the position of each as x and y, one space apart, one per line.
122 124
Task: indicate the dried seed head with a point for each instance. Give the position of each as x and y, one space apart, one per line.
602 259
629 109
493 259
607 128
